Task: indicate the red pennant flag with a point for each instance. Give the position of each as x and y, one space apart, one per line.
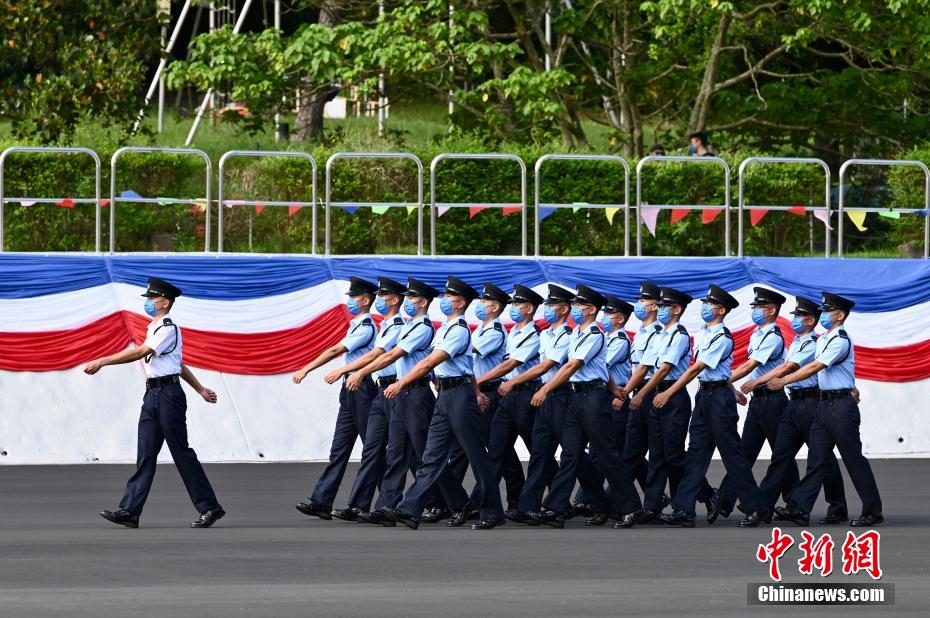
292 210
104 203
259 208
709 214
797 210
756 215
474 210
679 213
509 210
66 203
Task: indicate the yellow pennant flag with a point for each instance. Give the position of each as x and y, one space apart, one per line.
411 210
610 212
858 219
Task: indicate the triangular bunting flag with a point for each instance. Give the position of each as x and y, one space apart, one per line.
545 212
798 210
679 213
411 210
756 215
66 203
129 194
104 203
890 214
231 203
858 219
28 202
349 209
576 206
441 210
163 201
201 206
474 210
649 215
709 214
821 213
259 208
610 212
379 210
923 212
509 210
292 210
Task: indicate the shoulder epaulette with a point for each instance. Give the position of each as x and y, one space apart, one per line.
840 333
682 329
398 320
498 326
595 329
167 322
537 329
568 329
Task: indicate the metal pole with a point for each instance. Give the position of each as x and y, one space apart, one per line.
209 96
161 91
549 36
451 66
277 26
381 98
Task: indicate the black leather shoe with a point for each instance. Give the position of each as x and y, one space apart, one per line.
121 517
664 502
314 509
434 515
833 519
520 518
867 520
548 518
364 517
208 518
629 520
649 518
485 524
679 518
794 515
713 506
347 514
581 509
472 513
400 517
380 518
458 519
777 516
599 519
762 516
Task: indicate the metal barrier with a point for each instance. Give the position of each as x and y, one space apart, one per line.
375 155
159 200
475 157
54 200
220 195
885 163
684 159
566 157
741 205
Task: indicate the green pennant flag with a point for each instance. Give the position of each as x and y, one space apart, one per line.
576 206
379 210
890 214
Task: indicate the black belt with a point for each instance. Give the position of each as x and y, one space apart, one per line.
386 381
713 385
489 387
811 392
566 387
764 391
151 383
590 385
664 386
418 383
345 376
532 386
446 383
838 393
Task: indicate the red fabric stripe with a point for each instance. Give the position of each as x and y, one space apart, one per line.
53 350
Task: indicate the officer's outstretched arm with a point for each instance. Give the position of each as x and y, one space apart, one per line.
639 374
778 372
326 356
657 378
564 374
537 371
419 370
188 376
355 365
500 370
743 370
808 370
691 373
120 358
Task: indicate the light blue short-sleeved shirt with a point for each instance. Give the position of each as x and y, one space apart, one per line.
713 346
802 351
386 340
489 342
454 338
674 349
360 338
415 339
835 350
766 347
619 351
651 341
553 345
523 347
589 345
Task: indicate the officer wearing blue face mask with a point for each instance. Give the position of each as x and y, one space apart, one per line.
713 423
354 405
836 421
164 412
795 426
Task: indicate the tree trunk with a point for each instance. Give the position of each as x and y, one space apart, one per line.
701 109
309 123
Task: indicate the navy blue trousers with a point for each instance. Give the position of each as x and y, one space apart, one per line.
547 437
371 470
836 423
351 423
456 419
668 428
512 469
713 425
164 419
763 422
588 420
792 434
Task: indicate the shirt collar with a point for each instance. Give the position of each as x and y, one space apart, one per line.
530 324
358 319
765 327
714 328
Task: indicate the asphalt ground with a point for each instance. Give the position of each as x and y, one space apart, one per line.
59 558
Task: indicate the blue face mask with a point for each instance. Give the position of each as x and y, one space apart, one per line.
354 309
515 314
826 320
606 323
797 324
549 315
577 315
481 311
758 316
409 308
707 312
692 149
445 305
150 307
664 315
639 310
381 305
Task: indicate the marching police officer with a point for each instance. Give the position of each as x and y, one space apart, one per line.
588 420
714 420
354 405
763 418
371 470
164 412
796 421
458 407
836 421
